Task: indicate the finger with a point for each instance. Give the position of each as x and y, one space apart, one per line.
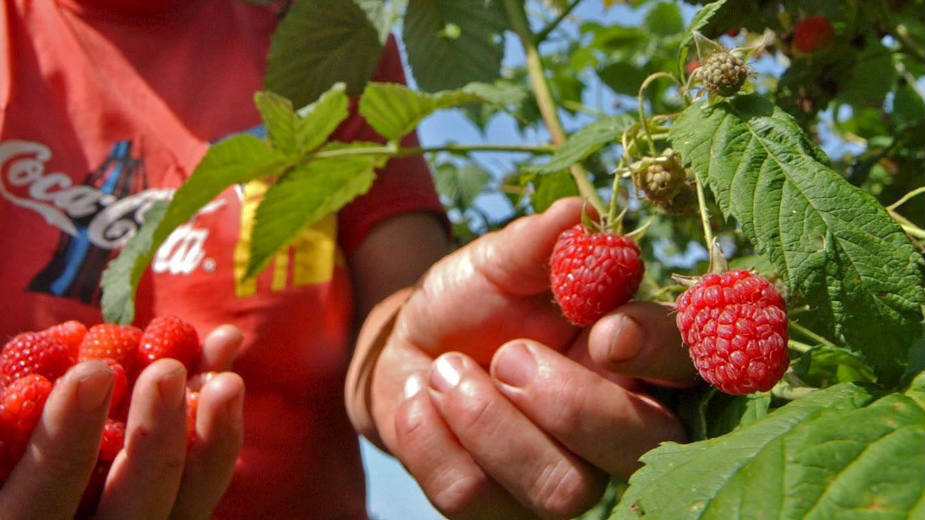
535 469
220 348
452 481
507 273
593 417
641 339
210 461
50 478
146 474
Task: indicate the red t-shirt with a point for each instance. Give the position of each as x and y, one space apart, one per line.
104 110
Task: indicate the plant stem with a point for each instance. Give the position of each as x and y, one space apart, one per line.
545 101
811 335
642 112
455 148
544 32
905 198
704 215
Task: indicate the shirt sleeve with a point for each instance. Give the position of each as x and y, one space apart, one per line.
403 185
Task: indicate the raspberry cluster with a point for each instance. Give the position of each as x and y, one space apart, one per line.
31 362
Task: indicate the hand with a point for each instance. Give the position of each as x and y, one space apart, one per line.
153 476
557 409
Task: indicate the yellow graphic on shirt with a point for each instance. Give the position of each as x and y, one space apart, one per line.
313 253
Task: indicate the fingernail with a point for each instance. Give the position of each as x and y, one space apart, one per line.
627 340
515 365
413 385
447 372
93 389
172 387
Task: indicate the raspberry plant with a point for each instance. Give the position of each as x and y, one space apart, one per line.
807 172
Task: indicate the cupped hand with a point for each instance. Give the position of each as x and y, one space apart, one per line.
500 407
154 476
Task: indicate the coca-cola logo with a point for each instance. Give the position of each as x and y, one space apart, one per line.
67 206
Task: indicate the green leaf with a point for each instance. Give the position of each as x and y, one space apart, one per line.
871 77
586 141
121 277
833 244
394 110
306 194
701 18
825 365
319 43
316 122
451 43
916 390
297 134
383 15
237 159
552 187
664 19
826 455
461 185
623 77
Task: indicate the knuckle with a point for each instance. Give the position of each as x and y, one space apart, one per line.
569 407
563 491
63 458
473 410
410 426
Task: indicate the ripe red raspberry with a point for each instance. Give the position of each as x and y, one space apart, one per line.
593 273
169 336
33 353
21 404
110 341
112 440
813 34
735 325
71 333
120 389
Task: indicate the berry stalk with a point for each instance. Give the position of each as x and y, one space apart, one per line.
545 101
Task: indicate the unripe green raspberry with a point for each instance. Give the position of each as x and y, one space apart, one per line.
723 74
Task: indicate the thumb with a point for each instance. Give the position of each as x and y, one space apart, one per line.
640 339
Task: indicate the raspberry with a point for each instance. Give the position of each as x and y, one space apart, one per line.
661 181
683 203
735 325
112 440
120 388
593 273
33 353
169 336
723 74
813 34
71 333
21 404
109 341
